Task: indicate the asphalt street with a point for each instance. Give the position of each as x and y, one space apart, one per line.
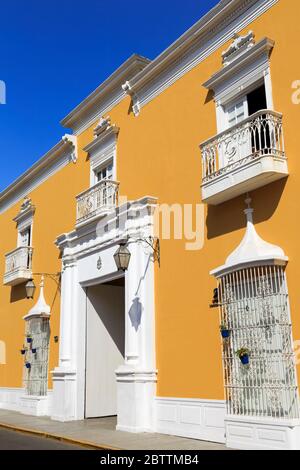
12 440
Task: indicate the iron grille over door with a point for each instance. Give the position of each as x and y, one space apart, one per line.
255 308
36 376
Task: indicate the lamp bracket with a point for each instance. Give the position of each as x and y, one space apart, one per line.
56 277
154 244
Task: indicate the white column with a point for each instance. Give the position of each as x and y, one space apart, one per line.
65 345
137 378
133 307
64 376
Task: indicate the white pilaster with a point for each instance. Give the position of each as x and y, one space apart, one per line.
64 376
137 378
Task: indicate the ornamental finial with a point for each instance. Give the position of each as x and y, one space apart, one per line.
249 211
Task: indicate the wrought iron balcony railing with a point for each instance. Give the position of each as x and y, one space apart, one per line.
18 265
258 137
97 201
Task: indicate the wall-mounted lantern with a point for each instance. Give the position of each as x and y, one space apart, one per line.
30 289
122 257
215 302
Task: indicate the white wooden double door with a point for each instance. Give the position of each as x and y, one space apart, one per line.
105 343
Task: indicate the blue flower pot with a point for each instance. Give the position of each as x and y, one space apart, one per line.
29 340
33 350
225 333
28 365
245 359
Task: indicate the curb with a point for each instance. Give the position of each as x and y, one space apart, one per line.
57 437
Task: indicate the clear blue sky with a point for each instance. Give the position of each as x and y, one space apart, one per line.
54 53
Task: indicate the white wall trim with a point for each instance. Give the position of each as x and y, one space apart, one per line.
15 399
205 37
248 433
192 418
63 153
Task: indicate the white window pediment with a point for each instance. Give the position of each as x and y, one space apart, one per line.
246 66
102 151
24 221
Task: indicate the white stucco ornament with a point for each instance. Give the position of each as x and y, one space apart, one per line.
252 250
41 309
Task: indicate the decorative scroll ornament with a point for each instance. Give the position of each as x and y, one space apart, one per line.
71 140
26 204
103 125
239 46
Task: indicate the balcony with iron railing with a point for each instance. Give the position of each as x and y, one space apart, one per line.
18 266
97 201
247 156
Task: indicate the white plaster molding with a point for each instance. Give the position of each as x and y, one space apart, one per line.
119 225
64 395
24 219
238 76
135 100
103 125
15 399
237 48
105 97
26 213
191 418
211 32
72 141
53 161
36 405
247 433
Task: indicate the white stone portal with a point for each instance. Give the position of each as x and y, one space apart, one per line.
87 257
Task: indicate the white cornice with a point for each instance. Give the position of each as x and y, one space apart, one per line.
127 212
60 155
212 31
107 95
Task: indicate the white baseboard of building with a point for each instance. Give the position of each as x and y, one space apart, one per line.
191 418
247 433
15 399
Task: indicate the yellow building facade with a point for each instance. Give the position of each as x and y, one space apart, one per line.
155 174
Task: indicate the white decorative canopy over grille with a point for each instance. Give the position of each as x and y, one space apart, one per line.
255 313
36 347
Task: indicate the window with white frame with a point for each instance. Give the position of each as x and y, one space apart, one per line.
24 238
102 152
246 121
246 105
24 222
104 172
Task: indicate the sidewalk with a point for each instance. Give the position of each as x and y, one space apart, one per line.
100 433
